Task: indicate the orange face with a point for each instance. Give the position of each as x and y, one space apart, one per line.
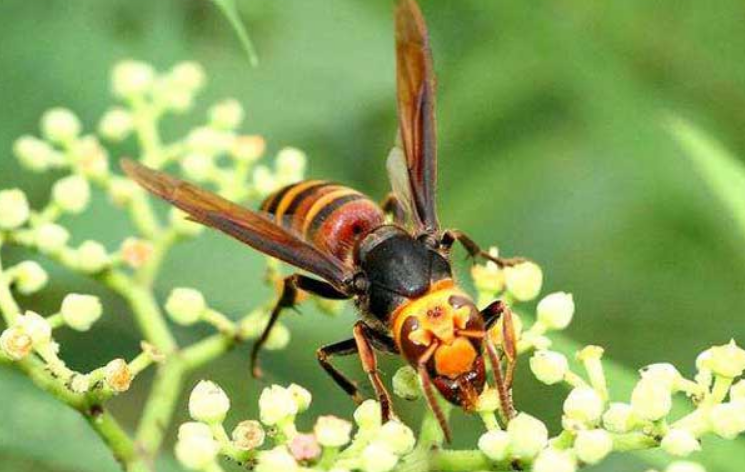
444 331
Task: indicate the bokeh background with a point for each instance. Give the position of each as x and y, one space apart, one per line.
552 146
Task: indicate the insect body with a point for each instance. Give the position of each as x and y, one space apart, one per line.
398 274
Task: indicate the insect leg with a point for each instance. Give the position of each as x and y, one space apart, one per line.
342 348
493 313
503 379
288 299
363 337
392 206
474 250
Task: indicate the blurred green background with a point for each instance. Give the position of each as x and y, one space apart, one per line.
551 146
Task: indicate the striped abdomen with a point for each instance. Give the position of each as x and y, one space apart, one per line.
330 216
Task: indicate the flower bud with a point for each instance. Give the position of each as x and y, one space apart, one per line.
727 360
197 167
208 403
196 452
50 238
683 466
90 157
651 400
279 338
275 460
80 383
131 78
248 148
728 419
528 436
14 209
488 401
188 75
495 445
549 367
664 373
304 447
16 343
192 429
117 375
406 383
583 404
524 280
30 277
34 154
186 306
368 415
290 165
248 435
226 115
332 431
72 194
184 226
592 446
377 458
136 252
680 442
737 392
208 141
60 125
489 277
619 418
79 312
301 396
553 460
116 124
276 404
91 257
397 437
264 181
556 310
36 327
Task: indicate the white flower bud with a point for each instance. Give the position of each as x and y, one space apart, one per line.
406 383
208 141
664 373
397 437
528 436
728 419
592 446
197 167
186 306
91 257
30 277
34 154
583 404
136 252
16 343
60 125
36 327
488 278
368 415
553 460
683 466
549 367
495 445
90 157
274 460
192 429
248 148
264 181
122 190
188 75
290 165
304 447
619 418
14 208
301 396
556 310
524 280
488 401
276 404
331 431
727 360
80 383
208 403
72 194
651 400
131 78
248 435
680 442
377 458
196 451
737 392
227 114
51 238
117 375
279 338
80 311
116 124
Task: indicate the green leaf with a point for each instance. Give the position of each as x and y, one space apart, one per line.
230 10
722 172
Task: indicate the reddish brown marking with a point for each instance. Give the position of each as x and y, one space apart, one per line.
346 225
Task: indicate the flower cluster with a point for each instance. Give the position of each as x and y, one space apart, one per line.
274 443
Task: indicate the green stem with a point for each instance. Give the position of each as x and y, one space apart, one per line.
160 407
8 305
149 272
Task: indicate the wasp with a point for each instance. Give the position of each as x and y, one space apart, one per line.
392 259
